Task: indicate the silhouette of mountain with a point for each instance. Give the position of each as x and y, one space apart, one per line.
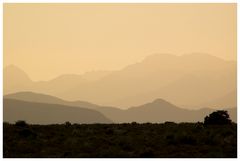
15 79
43 113
95 75
43 98
57 85
182 79
157 111
189 91
161 111
187 80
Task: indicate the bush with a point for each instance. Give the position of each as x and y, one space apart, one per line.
219 117
26 133
170 123
187 139
21 123
134 123
67 124
170 139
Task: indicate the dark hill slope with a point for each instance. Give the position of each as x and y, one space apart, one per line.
43 113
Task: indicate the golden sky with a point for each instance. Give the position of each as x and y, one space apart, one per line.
47 40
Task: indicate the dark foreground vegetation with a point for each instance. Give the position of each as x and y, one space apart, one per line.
168 140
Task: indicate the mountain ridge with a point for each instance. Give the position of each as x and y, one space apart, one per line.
159 76
159 110
44 113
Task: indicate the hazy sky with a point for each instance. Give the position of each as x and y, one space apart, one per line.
47 40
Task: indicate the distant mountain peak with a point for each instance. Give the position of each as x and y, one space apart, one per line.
159 100
162 102
13 68
14 79
158 103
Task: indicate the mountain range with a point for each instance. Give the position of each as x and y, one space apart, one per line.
191 81
43 113
45 109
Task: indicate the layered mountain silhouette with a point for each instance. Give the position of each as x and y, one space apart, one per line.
156 112
190 80
43 113
43 98
15 79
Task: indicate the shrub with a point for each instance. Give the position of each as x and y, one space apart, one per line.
134 123
170 123
170 139
219 117
67 124
109 131
26 133
21 123
187 139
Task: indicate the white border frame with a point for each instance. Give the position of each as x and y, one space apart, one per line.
117 1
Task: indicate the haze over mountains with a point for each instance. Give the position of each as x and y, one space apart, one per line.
190 81
42 113
45 109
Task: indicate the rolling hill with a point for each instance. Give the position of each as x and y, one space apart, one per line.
158 110
43 113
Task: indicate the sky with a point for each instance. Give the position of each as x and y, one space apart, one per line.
47 40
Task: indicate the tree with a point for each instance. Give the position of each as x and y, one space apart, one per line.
21 123
68 124
219 117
